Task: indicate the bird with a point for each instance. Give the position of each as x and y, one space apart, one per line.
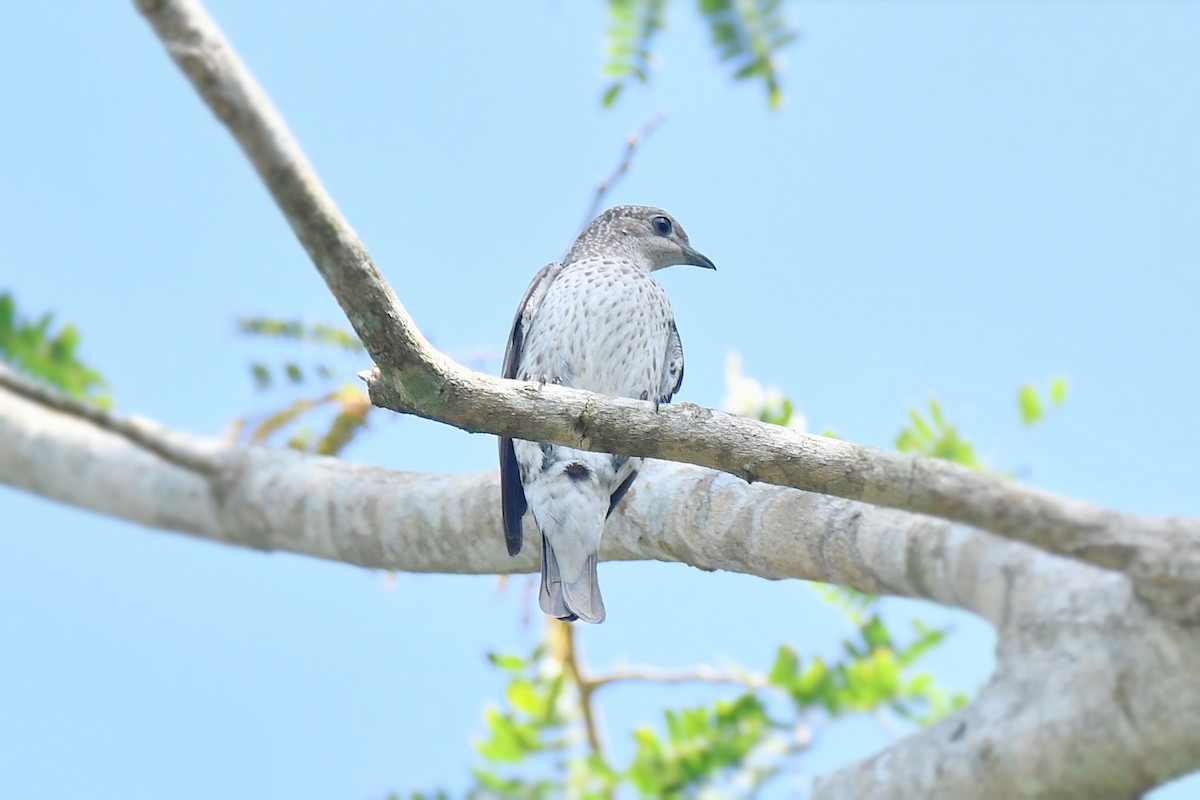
597 320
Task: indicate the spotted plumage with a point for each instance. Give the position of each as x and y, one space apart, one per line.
597 321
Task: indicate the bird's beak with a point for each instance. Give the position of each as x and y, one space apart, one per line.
697 259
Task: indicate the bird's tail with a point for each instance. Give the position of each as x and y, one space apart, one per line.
570 600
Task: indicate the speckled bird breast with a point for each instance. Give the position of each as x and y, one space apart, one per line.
602 326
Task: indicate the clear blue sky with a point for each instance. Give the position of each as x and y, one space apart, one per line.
956 199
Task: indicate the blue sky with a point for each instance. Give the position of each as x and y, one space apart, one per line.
956 199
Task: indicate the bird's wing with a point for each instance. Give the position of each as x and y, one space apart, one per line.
672 376
512 496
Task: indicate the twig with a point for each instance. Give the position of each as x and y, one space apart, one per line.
143 433
634 142
697 675
570 658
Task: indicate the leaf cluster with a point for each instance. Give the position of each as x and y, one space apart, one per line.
748 34
36 349
929 434
536 743
325 422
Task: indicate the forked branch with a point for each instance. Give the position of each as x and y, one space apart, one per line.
1161 555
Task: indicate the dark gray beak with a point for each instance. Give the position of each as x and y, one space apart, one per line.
697 259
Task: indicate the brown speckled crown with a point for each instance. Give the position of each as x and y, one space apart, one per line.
614 224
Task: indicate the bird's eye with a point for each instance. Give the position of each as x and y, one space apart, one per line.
662 225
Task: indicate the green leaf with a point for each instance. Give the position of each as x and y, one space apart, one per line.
812 685
927 639
875 634
301 439
935 413
507 662
524 697
1030 405
920 426
510 741
8 311
1058 391
787 664
261 375
507 787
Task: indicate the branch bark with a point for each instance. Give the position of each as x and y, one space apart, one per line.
1161 555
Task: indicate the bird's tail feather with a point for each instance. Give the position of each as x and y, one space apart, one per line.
579 599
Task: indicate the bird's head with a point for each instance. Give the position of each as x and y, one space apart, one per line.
648 236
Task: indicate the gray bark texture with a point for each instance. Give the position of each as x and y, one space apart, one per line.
1097 686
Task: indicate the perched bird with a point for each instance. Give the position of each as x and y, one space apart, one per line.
597 321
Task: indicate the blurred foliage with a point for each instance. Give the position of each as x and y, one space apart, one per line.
931 435
537 741
632 26
746 397
1033 407
316 332
34 348
927 433
341 414
748 34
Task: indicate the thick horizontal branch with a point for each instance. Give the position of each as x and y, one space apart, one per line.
1162 555
275 499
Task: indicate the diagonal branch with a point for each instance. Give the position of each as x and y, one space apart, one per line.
1162 555
164 443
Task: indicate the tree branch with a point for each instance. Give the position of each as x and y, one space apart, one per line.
183 452
568 653
1093 695
696 675
278 499
1162 555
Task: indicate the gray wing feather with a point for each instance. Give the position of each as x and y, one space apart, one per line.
512 495
672 377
